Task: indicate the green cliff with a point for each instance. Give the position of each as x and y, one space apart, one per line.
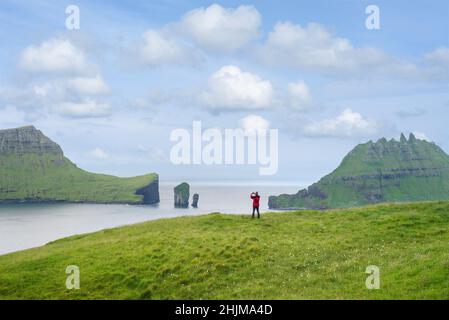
384 171
34 169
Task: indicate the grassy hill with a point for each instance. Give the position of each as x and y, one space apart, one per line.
289 255
33 168
376 172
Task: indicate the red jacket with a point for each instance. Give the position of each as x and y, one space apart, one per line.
255 200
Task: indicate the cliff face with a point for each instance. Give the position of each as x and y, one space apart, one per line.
384 171
27 140
150 192
33 168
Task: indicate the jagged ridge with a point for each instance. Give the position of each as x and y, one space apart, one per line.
374 172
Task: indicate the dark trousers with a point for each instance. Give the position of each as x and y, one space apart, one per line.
254 211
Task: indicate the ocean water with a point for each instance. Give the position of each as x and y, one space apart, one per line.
24 226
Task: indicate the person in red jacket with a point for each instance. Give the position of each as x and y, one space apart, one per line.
256 202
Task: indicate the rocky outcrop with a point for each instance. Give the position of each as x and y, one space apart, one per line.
27 140
182 194
150 192
374 172
195 200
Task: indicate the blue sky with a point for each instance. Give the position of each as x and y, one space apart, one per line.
111 92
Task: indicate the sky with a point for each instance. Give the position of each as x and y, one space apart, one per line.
113 91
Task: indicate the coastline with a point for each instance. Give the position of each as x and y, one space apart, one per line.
83 234
49 202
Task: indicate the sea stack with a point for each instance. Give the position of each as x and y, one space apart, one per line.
182 194
196 197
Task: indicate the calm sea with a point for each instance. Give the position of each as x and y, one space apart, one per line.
24 226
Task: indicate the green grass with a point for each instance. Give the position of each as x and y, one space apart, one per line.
289 255
52 177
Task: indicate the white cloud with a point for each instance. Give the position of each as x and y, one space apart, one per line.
439 56
11 117
63 86
314 47
438 61
42 90
254 123
141 148
299 95
94 86
65 89
54 55
221 29
57 96
84 109
421 136
159 48
212 28
99 153
347 124
233 89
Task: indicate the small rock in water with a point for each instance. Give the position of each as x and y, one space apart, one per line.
196 197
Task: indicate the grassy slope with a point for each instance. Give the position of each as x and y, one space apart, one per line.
407 188
282 256
51 177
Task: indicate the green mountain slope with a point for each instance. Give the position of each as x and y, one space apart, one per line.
288 255
385 171
33 168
